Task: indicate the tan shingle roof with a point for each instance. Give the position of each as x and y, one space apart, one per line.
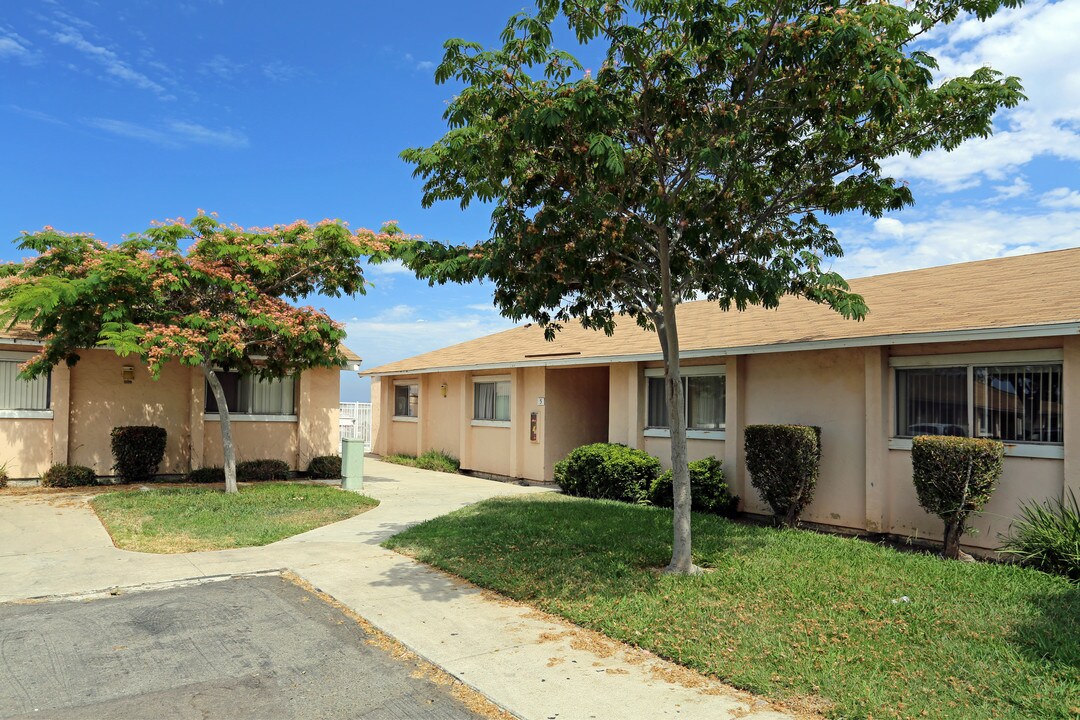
988 295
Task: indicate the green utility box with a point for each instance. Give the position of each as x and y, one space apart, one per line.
352 464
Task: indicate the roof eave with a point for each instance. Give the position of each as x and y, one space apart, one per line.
962 335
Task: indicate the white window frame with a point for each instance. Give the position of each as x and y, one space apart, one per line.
241 416
685 372
45 413
407 418
477 379
1050 356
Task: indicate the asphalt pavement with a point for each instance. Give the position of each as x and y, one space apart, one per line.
257 647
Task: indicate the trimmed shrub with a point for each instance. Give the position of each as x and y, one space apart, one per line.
954 477
265 469
608 472
709 492
325 467
783 462
4 476
1047 536
62 476
137 451
206 475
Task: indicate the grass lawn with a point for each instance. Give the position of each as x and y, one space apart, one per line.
787 614
188 519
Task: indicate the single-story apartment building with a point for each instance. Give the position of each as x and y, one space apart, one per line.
68 415
986 349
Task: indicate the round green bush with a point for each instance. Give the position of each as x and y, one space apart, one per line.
609 472
265 469
137 451
62 476
325 467
954 477
206 475
783 463
709 492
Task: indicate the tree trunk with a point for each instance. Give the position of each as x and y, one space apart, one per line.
953 530
227 447
681 560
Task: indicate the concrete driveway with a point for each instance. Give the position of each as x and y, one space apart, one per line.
257 647
534 665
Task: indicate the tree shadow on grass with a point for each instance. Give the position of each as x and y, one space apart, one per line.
1051 634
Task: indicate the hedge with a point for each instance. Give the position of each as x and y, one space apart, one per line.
62 476
783 462
709 492
137 451
264 469
608 471
206 475
954 477
325 467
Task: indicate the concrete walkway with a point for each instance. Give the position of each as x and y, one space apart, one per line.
533 665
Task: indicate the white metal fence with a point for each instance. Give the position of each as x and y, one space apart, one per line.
355 422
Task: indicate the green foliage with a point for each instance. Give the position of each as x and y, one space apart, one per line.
63 476
783 462
206 475
954 477
1047 536
437 460
137 451
4 475
264 469
608 472
784 614
325 467
709 491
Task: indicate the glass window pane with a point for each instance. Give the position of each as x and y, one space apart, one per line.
931 401
483 401
1019 403
656 403
705 402
230 383
406 400
267 396
502 401
19 394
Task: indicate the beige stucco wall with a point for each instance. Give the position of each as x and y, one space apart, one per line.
576 407
90 398
100 401
822 388
695 449
1023 479
254 441
440 431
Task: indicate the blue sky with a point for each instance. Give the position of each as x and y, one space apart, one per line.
116 113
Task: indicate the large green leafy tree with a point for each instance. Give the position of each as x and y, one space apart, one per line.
200 293
698 161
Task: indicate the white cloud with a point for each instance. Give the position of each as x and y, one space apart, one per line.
202 135
1019 187
425 65
36 115
960 234
113 65
1036 42
404 330
889 227
173 134
221 67
280 72
1061 197
15 47
391 267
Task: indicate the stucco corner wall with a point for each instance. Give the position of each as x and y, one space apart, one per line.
319 414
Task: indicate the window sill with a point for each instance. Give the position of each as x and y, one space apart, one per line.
491 423
1029 450
26 414
214 417
690 434
404 418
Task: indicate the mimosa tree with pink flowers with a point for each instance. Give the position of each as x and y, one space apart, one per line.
201 293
